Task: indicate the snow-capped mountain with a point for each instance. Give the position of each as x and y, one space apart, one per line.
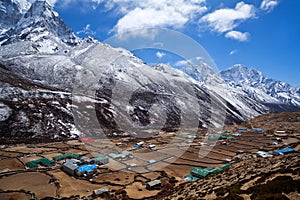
261 88
235 98
200 72
45 70
10 14
39 22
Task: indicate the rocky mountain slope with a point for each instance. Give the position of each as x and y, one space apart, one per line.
51 80
260 178
259 87
253 177
40 21
276 95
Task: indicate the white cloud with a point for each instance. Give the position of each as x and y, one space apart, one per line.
268 5
199 58
88 4
86 30
182 63
160 54
226 19
233 52
237 35
139 14
142 14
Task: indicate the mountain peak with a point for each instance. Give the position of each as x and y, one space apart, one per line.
38 8
250 79
242 68
238 66
243 75
40 21
24 5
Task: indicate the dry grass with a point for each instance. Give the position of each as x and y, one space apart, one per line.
11 164
9 154
25 149
30 158
31 181
119 178
139 191
14 196
70 185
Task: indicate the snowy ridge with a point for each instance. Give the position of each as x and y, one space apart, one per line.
261 88
39 22
42 62
24 5
10 14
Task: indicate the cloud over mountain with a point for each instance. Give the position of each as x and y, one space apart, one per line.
226 19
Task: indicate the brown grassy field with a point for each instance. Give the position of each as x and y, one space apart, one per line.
69 186
31 181
14 196
13 164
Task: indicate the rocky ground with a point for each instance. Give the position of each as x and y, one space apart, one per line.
260 178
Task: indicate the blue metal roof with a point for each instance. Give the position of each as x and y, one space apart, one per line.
86 168
287 150
258 129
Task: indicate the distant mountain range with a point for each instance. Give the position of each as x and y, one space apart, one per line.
257 86
42 62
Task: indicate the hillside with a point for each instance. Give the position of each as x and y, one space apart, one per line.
254 177
259 178
58 86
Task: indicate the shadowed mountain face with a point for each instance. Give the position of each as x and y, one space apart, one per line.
40 21
54 85
10 14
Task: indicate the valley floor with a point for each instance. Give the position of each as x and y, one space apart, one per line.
167 157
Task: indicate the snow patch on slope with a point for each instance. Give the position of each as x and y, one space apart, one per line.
5 112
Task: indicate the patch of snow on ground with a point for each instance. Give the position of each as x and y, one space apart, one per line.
75 132
5 112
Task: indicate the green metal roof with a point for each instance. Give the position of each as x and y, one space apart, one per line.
100 158
43 161
222 137
220 169
201 171
226 137
190 178
181 135
226 166
66 155
213 138
31 164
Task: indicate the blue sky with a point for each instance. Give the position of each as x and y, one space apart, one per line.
264 34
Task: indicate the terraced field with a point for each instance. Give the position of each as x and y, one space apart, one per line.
169 159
